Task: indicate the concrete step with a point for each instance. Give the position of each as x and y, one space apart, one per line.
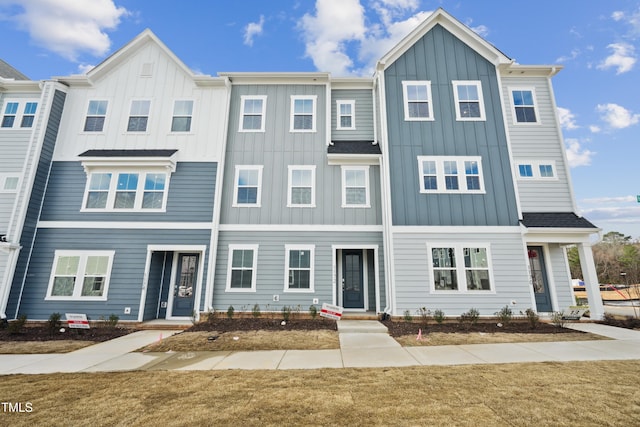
361 327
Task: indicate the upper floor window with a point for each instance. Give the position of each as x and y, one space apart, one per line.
537 170
303 113
96 114
248 186
182 114
524 105
469 101
241 268
301 186
124 191
81 275
299 268
460 268
139 116
447 174
355 187
29 114
16 116
252 113
417 100
345 115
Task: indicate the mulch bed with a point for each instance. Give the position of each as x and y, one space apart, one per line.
222 325
399 328
43 333
628 322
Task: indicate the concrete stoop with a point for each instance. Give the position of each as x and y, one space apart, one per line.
361 327
363 335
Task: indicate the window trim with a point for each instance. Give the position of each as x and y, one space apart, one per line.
19 116
535 170
82 266
258 203
113 183
515 121
287 251
440 175
86 116
461 269
4 177
254 267
478 85
314 115
130 115
344 169
173 116
429 100
263 113
351 103
292 168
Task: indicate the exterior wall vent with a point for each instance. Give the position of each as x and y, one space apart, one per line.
147 69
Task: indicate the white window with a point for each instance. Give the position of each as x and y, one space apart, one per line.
445 174
298 275
469 100
182 115
303 113
417 100
241 269
123 190
248 186
9 183
18 114
80 275
139 116
355 187
460 268
252 113
96 115
301 189
345 115
543 170
524 105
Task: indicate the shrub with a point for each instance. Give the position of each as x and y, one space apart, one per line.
313 311
424 315
469 318
255 311
230 312
438 316
54 323
113 320
558 320
504 315
16 326
407 316
532 318
286 313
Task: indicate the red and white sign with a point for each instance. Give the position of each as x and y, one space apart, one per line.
77 321
331 311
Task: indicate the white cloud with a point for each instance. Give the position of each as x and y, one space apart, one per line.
85 68
606 200
566 58
69 27
253 29
617 116
567 119
576 154
594 129
622 59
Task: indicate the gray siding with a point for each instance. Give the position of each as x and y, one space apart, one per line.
363 115
127 272
271 268
413 276
440 57
190 197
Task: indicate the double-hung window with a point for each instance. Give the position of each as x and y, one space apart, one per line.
468 98
96 115
17 114
29 114
303 113
252 113
248 186
182 115
241 268
355 187
417 100
301 186
139 115
460 267
345 115
543 169
299 268
524 105
10 112
81 275
126 190
445 174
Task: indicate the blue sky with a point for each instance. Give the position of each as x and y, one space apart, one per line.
596 42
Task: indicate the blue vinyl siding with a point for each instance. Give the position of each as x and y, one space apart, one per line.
441 58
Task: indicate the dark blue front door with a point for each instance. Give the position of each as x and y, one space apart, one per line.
352 279
185 285
539 279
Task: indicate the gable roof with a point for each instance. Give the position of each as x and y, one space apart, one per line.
457 28
8 72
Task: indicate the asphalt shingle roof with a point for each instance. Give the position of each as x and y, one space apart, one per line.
128 153
8 72
354 147
555 220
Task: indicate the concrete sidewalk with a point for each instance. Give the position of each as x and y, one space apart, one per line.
363 344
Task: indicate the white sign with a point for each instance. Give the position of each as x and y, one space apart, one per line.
77 321
331 311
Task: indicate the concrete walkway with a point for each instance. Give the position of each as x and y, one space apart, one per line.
363 344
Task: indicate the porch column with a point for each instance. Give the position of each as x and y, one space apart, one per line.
590 277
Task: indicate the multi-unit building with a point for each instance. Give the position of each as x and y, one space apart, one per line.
440 182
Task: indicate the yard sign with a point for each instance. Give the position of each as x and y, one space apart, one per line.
331 311
77 321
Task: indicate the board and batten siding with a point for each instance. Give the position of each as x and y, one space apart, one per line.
560 276
127 273
190 195
363 116
413 278
271 264
276 149
440 57
538 142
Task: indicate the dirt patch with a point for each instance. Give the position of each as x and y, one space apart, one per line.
42 347
400 328
222 325
41 333
627 322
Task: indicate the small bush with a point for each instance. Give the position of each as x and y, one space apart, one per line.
313 311
286 313
230 312
438 316
424 315
16 326
558 320
407 316
255 311
112 321
469 318
504 315
532 318
54 323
